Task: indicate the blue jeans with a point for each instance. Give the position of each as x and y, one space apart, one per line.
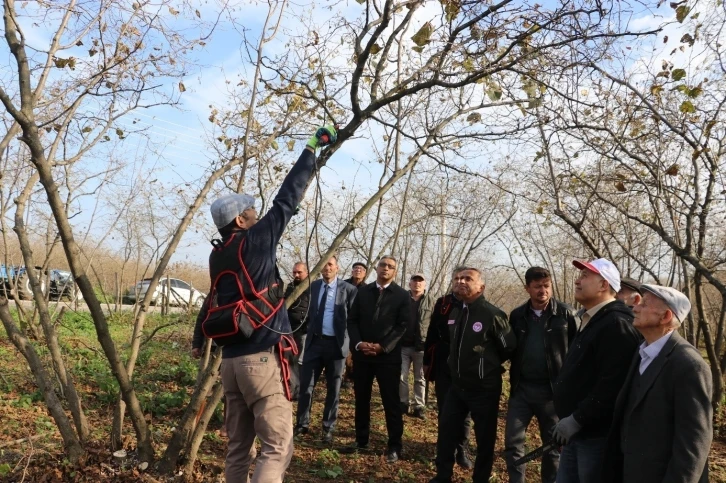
581 460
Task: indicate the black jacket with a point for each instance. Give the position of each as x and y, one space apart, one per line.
437 345
480 343
260 257
350 281
595 369
298 311
560 328
379 320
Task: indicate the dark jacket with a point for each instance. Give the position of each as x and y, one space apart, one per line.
480 343
344 296
298 311
417 328
667 421
560 328
350 281
437 345
259 254
595 369
379 320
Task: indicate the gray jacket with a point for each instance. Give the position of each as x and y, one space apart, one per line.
345 294
663 432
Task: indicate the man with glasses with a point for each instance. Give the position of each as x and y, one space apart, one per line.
376 323
358 274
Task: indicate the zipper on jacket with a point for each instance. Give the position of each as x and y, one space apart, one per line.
461 340
547 333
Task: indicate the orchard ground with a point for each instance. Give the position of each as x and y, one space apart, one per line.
30 446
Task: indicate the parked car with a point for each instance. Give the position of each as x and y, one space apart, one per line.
61 285
180 292
59 282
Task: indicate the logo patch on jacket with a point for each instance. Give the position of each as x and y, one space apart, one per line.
477 327
452 321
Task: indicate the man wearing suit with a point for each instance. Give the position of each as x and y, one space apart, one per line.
326 346
662 427
376 323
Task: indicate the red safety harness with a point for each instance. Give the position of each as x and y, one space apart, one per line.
235 322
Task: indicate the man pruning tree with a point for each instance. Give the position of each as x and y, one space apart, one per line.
244 314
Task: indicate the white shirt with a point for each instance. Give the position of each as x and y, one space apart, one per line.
328 325
648 352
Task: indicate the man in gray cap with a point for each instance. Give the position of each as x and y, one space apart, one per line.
662 428
244 313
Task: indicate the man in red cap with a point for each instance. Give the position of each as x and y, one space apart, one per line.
593 372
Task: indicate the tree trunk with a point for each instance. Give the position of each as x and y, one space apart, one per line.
192 447
71 443
185 427
51 336
713 359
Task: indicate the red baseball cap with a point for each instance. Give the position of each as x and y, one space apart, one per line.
603 267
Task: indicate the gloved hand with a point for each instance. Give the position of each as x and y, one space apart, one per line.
566 429
323 136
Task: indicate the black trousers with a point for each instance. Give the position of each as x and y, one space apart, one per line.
442 384
388 376
483 403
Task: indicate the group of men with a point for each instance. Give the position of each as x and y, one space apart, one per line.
382 327
620 392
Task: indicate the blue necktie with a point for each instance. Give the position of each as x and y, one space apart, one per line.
321 309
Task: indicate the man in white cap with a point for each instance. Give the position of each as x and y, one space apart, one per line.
662 429
593 372
244 313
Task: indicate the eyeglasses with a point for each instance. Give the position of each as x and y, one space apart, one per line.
387 265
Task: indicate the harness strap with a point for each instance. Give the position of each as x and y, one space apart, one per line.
286 347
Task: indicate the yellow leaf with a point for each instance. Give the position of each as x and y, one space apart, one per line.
423 36
181 87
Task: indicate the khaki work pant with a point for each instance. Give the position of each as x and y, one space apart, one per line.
256 406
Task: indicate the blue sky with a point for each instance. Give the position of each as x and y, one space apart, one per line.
180 133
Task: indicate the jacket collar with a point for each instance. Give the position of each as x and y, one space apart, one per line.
479 301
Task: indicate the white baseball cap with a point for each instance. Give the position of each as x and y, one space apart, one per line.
603 267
